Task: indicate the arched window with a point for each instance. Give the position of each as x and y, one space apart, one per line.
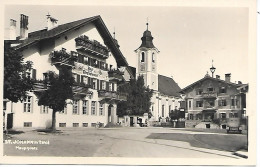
142 57
153 58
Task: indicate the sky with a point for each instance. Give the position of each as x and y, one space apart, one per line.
188 38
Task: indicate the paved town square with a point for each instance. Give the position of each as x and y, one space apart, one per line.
125 142
151 82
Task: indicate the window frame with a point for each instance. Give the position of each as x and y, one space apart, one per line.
44 109
93 108
101 109
222 88
27 104
199 103
75 107
142 57
84 107
27 123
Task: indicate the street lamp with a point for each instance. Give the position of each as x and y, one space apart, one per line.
212 69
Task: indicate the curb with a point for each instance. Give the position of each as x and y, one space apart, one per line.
241 154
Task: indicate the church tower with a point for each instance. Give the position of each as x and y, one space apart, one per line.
147 60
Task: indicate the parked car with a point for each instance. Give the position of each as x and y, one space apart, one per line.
234 125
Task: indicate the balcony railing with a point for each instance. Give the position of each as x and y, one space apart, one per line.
92 46
112 95
115 74
63 58
39 86
209 94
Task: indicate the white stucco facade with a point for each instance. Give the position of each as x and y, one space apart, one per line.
83 112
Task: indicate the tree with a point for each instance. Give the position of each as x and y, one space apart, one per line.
138 100
59 89
59 86
176 114
16 80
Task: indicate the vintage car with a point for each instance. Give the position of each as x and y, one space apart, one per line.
234 125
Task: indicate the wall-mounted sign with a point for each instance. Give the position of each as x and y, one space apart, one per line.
90 71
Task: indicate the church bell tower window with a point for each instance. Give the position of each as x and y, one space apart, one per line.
153 58
142 57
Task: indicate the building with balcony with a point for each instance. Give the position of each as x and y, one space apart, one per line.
98 67
210 102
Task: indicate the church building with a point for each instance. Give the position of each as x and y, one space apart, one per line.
166 95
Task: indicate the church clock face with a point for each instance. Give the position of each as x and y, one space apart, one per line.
142 67
153 67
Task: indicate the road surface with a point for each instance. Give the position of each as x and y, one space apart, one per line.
124 142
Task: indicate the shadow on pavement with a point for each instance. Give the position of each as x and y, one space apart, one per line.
13 132
49 131
216 142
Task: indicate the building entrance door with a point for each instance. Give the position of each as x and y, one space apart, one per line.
10 121
109 113
131 121
208 115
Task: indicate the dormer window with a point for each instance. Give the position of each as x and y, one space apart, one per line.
210 89
222 90
199 91
142 57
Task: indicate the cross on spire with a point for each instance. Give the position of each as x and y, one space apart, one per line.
147 22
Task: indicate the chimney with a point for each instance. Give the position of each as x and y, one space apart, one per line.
217 76
51 22
12 31
227 77
24 26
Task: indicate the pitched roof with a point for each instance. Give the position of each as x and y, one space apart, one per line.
37 36
211 78
168 86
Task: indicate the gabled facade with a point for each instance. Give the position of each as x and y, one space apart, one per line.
210 102
99 68
166 95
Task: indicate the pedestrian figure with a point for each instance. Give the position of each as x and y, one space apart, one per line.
97 125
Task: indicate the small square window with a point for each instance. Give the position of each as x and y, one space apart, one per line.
62 124
93 124
27 124
84 124
75 124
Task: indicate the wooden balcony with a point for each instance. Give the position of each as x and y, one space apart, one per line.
39 86
63 58
112 95
93 47
115 75
209 95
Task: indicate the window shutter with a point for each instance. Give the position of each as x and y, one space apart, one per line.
34 74
78 78
107 86
81 78
92 83
90 61
80 58
101 65
89 81
101 82
106 66
113 86
98 85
